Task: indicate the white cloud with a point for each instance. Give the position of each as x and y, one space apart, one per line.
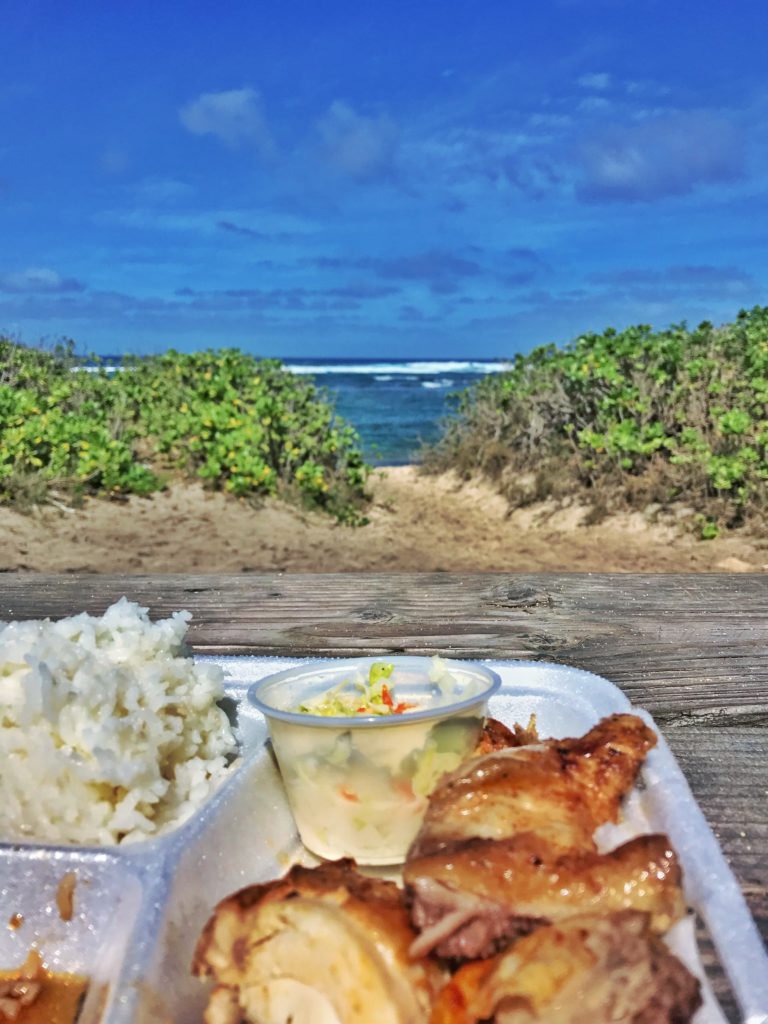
160 190
362 147
595 104
38 279
663 156
598 80
701 280
647 88
207 222
114 161
235 117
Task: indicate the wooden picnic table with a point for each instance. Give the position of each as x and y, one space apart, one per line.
691 649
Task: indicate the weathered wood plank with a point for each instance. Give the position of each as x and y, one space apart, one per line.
718 608
681 649
726 769
684 645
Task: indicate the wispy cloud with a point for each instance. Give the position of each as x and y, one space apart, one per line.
410 314
114 161
355 145
235 117
240 229
520 266
39 280
337 297
598 80
482 165
441 270
536 175
159 191
699 280
236 227
645 88
361 290
663 156
275 224
595 105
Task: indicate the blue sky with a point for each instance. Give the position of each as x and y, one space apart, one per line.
378 178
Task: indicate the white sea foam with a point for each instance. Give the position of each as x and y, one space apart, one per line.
382 371
416 367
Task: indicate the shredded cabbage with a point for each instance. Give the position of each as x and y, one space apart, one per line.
367 697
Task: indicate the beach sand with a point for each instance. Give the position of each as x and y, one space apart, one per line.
417 523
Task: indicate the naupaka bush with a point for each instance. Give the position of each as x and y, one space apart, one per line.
243 425
628 418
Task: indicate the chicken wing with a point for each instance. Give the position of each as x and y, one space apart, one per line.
507 844
560 789
495 735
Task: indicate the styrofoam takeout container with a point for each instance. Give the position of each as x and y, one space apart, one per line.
139 909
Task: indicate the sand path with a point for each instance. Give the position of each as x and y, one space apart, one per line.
418 523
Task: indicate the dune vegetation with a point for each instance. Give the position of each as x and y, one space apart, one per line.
243 425
673 420
669 420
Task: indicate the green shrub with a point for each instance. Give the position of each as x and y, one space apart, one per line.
627 418
242 425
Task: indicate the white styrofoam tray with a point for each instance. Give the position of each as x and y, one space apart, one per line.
140 908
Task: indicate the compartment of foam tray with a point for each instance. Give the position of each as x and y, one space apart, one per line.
246 835
77 909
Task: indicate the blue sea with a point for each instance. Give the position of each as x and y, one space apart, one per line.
395 405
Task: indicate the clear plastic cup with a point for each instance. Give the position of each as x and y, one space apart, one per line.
358 784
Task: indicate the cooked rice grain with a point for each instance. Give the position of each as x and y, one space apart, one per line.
109 732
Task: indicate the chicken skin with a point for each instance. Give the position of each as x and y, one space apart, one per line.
508 843
559 789
474 900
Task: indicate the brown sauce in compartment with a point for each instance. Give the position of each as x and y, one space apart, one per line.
57 997
58 1003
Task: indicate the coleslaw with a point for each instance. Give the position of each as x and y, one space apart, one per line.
361 750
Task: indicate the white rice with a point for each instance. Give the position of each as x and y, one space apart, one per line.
109 732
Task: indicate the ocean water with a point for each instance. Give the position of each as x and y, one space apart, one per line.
395 405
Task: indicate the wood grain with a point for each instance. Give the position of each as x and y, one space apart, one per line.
692 649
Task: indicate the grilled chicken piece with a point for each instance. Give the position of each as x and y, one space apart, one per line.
560 789
319 946
473 900
585 970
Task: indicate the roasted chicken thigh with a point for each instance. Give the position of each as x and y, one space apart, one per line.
473 900
583 970
319 946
